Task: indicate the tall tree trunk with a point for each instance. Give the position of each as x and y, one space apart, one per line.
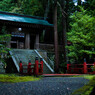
47 9
45 16
19 3
64 33
79 2
66 10
56 39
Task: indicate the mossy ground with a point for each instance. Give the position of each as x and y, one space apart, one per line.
86 76
86 89
13 78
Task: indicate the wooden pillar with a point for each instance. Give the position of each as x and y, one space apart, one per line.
27 41
79 2
37 41
56 39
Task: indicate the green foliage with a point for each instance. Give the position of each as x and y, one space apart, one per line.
28 7
33 7
89 5
4 40
6 5
93 68
81 35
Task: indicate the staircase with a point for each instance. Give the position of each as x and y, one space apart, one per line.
25 55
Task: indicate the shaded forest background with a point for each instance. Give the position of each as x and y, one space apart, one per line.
75 23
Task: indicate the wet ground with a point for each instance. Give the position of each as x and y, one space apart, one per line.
45 86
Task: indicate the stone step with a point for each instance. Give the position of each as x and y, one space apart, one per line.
25 55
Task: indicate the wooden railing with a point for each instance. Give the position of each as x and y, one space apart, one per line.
81 68
32 69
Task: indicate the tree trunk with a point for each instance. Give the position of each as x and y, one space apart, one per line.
79 2
45 16
46 10
56 38
64 33
67 7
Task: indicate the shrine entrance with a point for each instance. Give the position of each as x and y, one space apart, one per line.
24 30
32 41
18 40
24 39
26 34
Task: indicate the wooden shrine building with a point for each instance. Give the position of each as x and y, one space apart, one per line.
25 30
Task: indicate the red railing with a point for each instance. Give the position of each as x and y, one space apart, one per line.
32 69
80 68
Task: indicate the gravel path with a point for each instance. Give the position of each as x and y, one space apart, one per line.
46 86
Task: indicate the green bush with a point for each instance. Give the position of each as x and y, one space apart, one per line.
81 36
4 40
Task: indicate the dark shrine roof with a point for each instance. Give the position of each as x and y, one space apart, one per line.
17 18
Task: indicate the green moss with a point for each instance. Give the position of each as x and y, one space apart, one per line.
86 89
89 77
11 78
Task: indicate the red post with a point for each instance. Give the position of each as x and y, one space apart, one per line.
68 68
41 62
85 66
36 66
29 68
20 67
94 62
94 66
